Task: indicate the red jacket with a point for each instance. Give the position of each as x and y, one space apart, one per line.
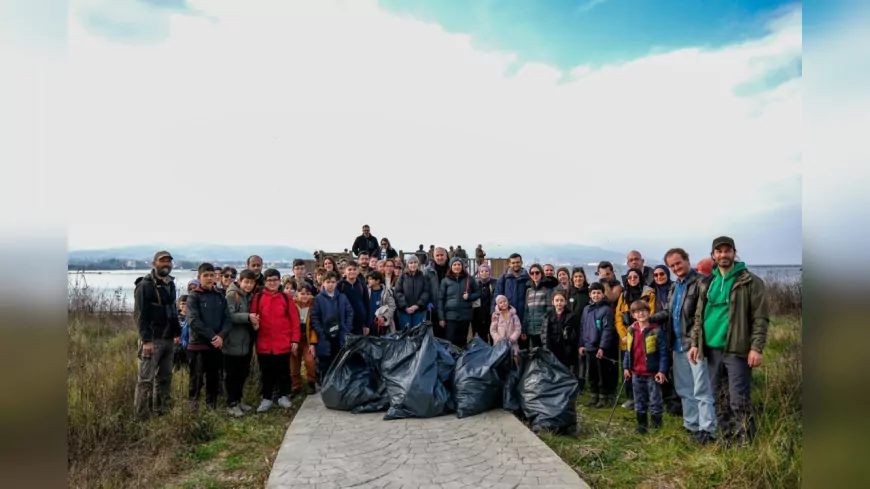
279 322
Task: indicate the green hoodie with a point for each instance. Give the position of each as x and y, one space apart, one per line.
718 306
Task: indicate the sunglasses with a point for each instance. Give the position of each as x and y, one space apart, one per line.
535 273
229 275
658 275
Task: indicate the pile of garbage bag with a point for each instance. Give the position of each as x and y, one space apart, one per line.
415 375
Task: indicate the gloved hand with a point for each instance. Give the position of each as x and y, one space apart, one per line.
430 307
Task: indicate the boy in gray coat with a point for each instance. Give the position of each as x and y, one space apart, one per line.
239 344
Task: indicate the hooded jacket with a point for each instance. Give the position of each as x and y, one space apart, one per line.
279 322
623 316
451 305
560 334
506 327
240 340
357 294
654 351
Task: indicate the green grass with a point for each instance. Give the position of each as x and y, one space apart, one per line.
668 457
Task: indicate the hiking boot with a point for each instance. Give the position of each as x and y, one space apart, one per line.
641 424
284 402
311 390
244 407
235 411
629 404
604 401
656 422
264 406
704 437
593 400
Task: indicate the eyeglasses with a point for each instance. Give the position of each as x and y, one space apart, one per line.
535 273
273 280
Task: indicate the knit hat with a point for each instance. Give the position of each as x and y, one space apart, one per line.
411 259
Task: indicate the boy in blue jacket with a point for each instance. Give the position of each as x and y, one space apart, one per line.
645 360
332 320
599 347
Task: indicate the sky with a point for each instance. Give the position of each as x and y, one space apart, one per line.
618 123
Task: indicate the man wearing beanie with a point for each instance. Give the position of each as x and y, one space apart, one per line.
730 332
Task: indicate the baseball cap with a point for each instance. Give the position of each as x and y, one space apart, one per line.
161 254
604 264
723 240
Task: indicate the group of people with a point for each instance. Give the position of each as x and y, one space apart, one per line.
685 340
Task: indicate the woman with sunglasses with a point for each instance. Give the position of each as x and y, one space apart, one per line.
537 299
386 251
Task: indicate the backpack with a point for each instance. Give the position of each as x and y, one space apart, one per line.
256 301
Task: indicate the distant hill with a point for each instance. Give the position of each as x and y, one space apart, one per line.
191 253
561 254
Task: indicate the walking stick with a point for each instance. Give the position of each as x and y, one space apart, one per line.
615 402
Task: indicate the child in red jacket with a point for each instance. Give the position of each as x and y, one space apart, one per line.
278 335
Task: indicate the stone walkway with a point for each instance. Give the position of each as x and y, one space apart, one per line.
334 449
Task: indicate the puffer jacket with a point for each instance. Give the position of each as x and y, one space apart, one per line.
621 314
279 322
207 317
509 327
537 303
240 340
324 309
451 306
385 309
560 335
655 351
748 318
597 328
412 289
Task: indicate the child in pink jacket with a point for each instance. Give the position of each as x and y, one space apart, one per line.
505 324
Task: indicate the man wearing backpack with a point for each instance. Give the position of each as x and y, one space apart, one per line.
157 318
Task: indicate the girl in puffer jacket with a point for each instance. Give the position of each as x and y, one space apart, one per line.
505 324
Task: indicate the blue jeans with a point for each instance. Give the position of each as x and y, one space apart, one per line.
692 383
647 395
410 320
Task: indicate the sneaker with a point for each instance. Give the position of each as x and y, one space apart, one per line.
244 407
311 390
629 404
284 402
235 411
264 406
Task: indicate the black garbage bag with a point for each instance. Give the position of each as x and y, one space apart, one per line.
353 382
548 393
511 397
478 379
413 369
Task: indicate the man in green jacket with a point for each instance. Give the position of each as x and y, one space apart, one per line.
730 332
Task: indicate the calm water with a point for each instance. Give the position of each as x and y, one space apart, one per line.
111 280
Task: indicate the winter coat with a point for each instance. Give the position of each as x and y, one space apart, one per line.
597 328
510 327
154 308
412 289
514 288
560 334
240 340
207 317
654 351
323 311
451 305
361 243
623 317
385 309
279 322
537 303
357 295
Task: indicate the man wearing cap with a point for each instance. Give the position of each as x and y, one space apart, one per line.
607 278
730 332
157 318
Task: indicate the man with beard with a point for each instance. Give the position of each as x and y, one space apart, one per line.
363 262
512 284
435 271
157 318
730 332
365 242
255 263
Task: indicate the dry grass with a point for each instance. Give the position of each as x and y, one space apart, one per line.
108 448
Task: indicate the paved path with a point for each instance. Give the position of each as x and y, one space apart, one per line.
334 449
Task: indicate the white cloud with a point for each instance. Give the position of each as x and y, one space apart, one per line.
295 102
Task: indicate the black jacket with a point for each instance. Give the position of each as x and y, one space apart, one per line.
154 308
207 316
358 296
361 243
691 300
451 306
412 290
561 335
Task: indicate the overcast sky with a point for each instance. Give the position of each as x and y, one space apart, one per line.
313 118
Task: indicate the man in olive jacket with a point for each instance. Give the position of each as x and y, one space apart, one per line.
730 331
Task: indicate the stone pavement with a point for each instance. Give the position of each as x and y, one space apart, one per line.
334 449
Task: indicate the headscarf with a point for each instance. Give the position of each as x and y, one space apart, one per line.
633 293
662 290
479 268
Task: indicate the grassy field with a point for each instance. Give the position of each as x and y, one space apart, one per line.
184 449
